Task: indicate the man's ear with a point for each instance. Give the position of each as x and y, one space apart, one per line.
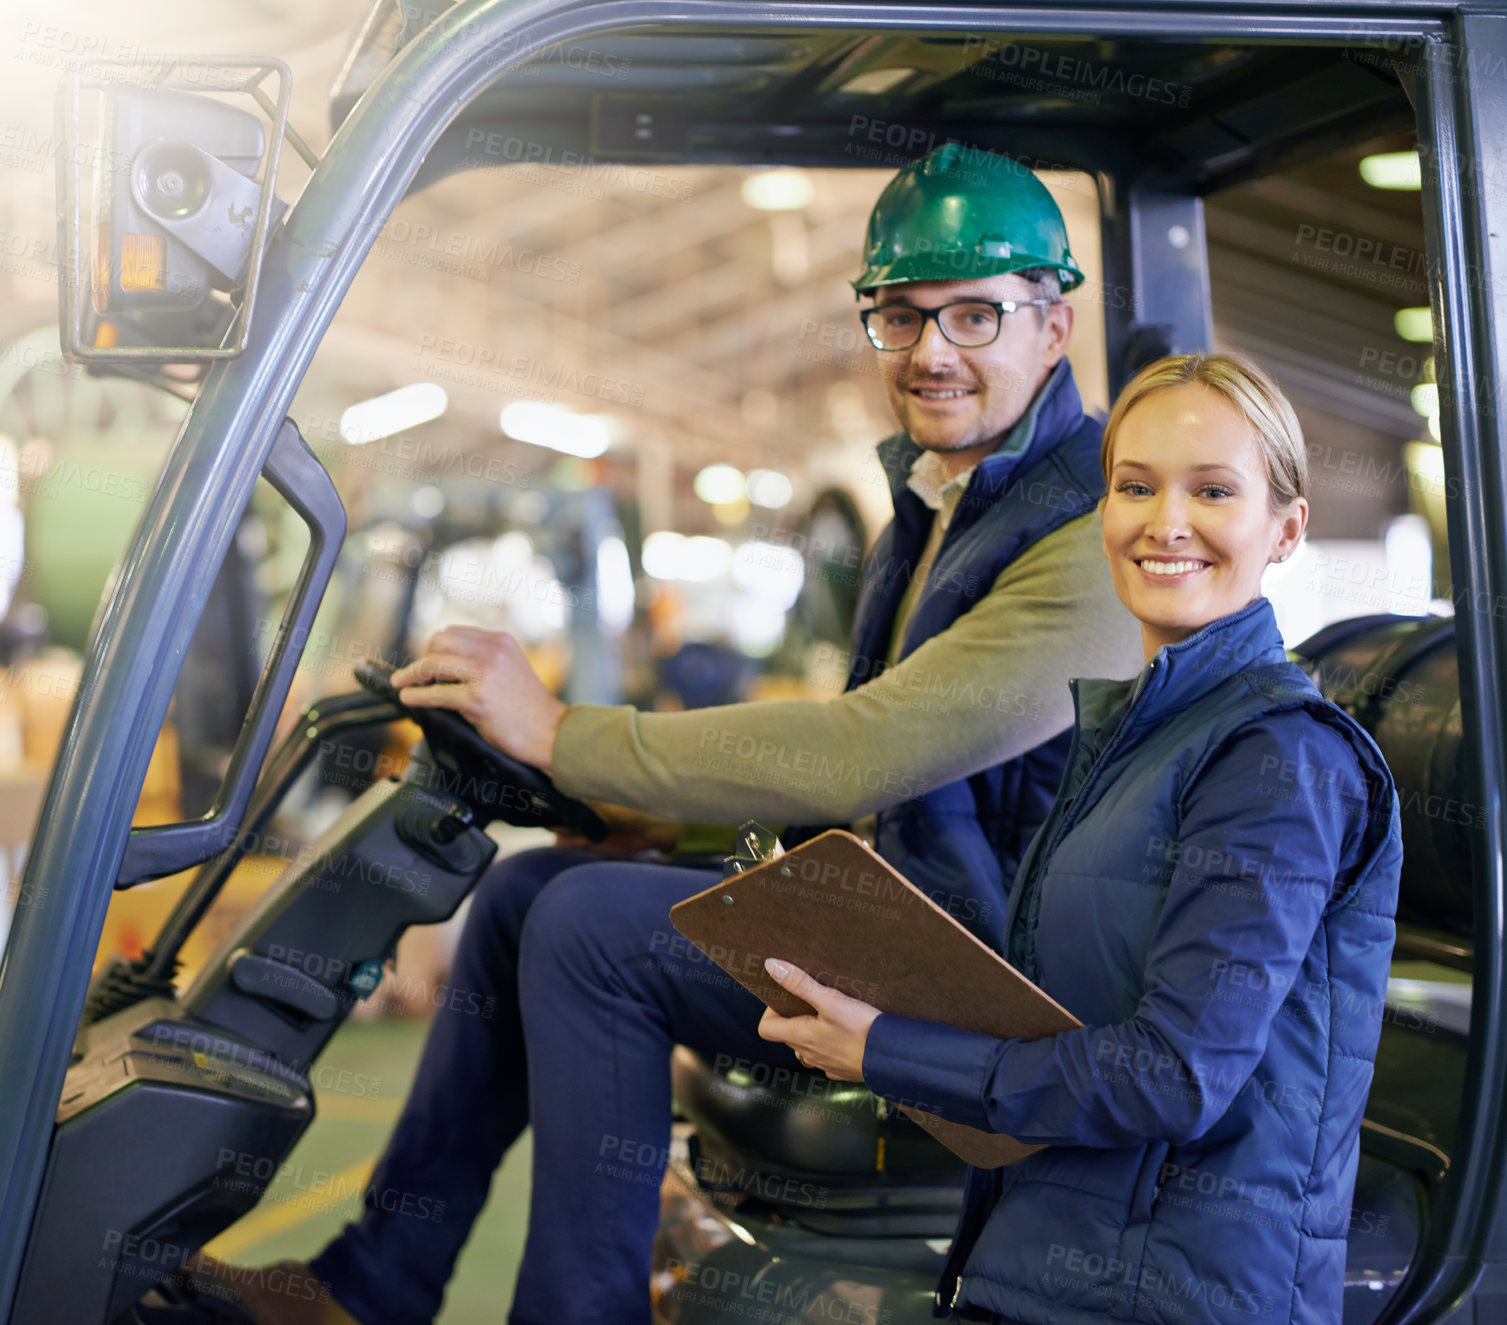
1058 331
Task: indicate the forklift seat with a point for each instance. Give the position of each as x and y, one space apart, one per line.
829 1154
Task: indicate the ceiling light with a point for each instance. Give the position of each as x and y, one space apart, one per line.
661 555
1414 323
541 424
1392 170
771 571
784 190
876 81
718 483
1426 462
513 548
615 592
428 502
671 556
706 558
407 407
769 488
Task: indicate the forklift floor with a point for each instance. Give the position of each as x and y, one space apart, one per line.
360 1084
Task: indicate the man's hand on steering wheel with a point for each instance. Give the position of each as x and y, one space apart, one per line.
484 676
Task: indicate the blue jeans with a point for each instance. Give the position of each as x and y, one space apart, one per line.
570 988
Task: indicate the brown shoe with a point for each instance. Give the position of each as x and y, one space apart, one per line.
287 1293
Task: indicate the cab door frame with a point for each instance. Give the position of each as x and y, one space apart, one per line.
1461 113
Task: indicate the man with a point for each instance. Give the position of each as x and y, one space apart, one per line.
979 601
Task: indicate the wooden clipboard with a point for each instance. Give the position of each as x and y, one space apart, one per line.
834 908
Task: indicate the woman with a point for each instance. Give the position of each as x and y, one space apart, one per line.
1212 896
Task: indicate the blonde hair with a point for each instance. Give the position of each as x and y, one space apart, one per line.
1258 399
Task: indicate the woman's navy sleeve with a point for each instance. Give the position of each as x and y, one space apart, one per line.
1269 867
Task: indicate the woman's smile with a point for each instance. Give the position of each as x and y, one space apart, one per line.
1168 571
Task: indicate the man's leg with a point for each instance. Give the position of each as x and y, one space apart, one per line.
468 1104
608 987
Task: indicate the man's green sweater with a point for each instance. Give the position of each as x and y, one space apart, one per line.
987 689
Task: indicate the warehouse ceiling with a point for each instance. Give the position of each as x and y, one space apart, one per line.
702 327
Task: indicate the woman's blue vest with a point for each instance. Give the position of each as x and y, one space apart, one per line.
961 843
1237 1211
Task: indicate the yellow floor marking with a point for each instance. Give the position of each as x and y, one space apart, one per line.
351 1109
289 1210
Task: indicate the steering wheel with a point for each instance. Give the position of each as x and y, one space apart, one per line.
495 783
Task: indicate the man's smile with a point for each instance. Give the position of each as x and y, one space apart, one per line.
930 392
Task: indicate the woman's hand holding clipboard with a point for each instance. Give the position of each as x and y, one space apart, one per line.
835 910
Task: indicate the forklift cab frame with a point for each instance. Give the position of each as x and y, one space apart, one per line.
405 130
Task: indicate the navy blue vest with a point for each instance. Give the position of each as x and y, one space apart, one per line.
962 843
1247 1014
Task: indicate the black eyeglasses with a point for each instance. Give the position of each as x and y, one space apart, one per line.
967 323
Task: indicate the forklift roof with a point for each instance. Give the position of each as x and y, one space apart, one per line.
1197 113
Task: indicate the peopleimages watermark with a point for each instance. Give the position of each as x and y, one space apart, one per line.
1163 1073
1040 69
762 1297
475 579
681 949
769 1085
36 259
490 365
27 147
212 1053
239 1170
497 150
895 143
1458 62
1382 262
405 455
645 1161
1261 1204
814 763
1292 779
461 254
155 1259
1315 1001
135 1253
333 972
1349 470
1104 1274
53 45
583 59
922 688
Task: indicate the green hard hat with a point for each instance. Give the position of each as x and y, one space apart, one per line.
960 213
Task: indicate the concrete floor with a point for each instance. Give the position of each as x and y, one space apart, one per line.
320 1186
